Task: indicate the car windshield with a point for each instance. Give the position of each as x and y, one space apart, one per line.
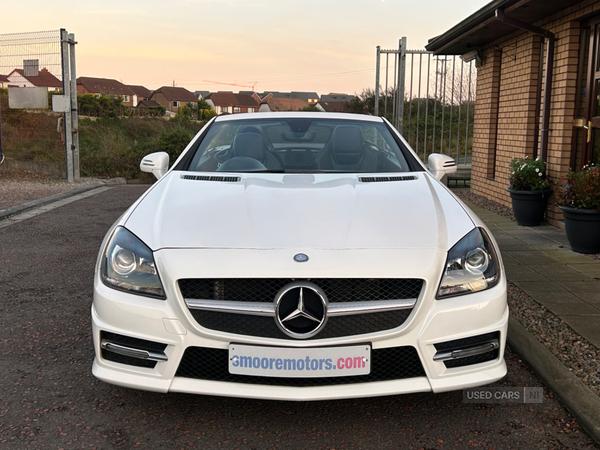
311 145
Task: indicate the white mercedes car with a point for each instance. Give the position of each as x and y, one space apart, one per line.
299 256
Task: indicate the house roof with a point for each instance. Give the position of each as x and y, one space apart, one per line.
140 91
333 97
4 78
43 79
294 94
201 94
177 94
286 104
335 106
148 104
106 86
230 99
481 27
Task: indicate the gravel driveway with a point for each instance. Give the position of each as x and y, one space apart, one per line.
51 400
18 187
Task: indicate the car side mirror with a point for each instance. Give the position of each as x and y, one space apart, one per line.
155 163
440 165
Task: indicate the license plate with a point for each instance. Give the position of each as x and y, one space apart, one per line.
284 362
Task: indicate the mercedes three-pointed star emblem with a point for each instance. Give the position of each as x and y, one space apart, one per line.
301 309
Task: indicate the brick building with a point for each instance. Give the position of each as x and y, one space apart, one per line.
230 103
106 86
508 39
173 97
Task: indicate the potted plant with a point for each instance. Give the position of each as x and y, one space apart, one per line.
529 190
581 209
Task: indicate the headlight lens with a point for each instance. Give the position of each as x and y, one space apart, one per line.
472 266
128 265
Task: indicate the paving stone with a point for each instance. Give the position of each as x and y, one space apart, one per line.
515 247
586 267
510 260
572 309
582 286
555 297
520 231
568 257
589 297
532 257
523 273
531 287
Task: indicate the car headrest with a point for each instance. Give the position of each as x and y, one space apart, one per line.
250 145
347 144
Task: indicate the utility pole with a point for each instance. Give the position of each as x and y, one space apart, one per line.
376 112
64 43
74 116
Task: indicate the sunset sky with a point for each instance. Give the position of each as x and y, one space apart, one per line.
308 45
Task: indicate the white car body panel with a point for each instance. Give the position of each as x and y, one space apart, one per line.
262 211
252 229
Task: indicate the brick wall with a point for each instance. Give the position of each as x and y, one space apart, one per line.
505 114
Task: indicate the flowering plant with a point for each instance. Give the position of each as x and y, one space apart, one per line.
528 174
582 189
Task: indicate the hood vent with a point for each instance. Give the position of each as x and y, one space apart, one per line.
221 179
382 179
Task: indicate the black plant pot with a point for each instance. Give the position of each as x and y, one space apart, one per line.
529 206
583 229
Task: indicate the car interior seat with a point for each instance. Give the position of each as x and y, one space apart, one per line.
347 151
252 145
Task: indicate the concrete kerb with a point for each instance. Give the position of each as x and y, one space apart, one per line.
13 210
573 393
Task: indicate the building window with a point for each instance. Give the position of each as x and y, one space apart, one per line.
224 109
236 109
250 110
126 98
175 104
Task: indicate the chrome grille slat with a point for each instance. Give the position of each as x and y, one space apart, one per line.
268 309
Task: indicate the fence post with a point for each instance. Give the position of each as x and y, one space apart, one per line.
64 43
377 81
401 75
74 116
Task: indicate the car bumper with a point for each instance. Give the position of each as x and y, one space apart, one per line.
168 322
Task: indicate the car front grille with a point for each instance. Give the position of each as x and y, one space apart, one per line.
387 364
265 290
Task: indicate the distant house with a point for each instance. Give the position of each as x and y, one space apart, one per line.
3 81
201 94
106 86
43 78
229 103
308 97
173 97
329 106
334 102
282 104
333 97
140 93
148 104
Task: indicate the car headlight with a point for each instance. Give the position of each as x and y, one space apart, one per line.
472 266
128 265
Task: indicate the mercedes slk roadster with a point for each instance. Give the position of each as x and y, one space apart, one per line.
299 256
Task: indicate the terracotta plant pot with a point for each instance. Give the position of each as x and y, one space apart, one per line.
529 207
583 229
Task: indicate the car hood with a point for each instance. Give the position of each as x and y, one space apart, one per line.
300 211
